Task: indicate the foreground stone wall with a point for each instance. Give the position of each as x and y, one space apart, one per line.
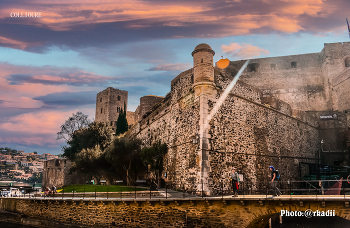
168 213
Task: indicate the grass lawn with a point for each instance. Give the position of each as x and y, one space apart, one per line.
99 188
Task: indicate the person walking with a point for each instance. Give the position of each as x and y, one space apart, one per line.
235 181
274 180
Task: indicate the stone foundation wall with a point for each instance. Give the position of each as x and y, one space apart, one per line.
181 213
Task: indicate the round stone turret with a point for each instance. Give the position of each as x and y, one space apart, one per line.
203 63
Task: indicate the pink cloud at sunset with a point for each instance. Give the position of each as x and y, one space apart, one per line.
60 16
7 42
243 51
39 128
20 84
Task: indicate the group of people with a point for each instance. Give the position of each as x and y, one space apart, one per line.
274 179
50 191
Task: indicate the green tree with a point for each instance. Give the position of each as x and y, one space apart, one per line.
86 149
92 161
97 133
122 122
76 122
124 155
154 157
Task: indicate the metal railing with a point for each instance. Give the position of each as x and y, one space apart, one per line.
289 188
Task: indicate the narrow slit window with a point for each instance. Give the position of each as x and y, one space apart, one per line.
101 110
347 62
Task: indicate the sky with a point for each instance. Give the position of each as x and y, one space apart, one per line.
54 65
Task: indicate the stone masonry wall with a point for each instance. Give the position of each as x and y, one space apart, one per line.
238 213
175 122
56 172
109 102
242 126
341 85
147 102
302 86
252 136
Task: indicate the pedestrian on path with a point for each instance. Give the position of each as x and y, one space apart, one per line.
235 181
274 180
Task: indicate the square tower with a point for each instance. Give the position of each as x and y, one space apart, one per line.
109 104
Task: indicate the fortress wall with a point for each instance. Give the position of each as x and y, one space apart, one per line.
147 102
176 128
341 85
303 87
245 127
175 122
182 84
335 54
56 172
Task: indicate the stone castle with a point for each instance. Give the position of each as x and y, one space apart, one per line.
277 114
283 111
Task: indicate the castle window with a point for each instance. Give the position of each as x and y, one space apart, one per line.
101 99
273 66
118 98
253 67
111 123
294 64
202 61
347 62
101 110
118 109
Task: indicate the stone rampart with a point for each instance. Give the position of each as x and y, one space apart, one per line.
167 213
250 131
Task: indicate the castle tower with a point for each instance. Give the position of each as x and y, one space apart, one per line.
205 90
109 104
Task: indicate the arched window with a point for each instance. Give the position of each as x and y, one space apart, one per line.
118 98
100 99
347 62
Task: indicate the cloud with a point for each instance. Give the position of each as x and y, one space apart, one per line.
68 98
171 67
244 51
35 128
75 78
101 24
